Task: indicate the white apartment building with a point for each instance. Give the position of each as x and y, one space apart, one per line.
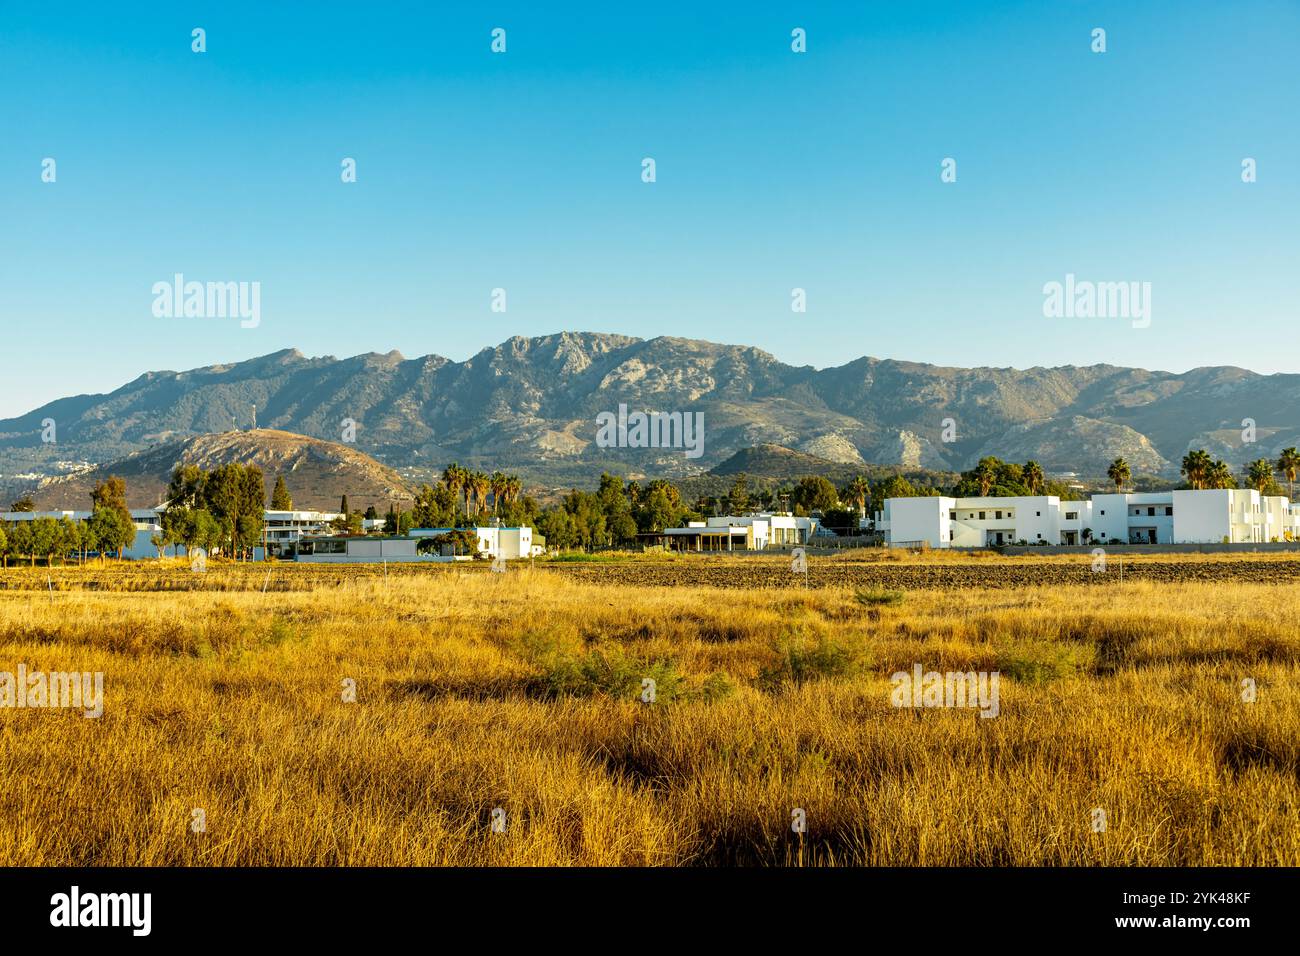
284 528
944 522
1234 516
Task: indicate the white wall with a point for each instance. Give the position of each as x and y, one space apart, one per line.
919 519
1203 517
1038 518
1109 518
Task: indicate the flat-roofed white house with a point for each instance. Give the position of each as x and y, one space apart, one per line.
356 549
699 536
1210 516
752 532
493 542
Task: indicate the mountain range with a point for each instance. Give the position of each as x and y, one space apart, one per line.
529 405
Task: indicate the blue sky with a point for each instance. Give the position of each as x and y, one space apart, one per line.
522 170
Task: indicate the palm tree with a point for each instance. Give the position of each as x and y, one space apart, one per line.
1119 473
513 487
481 484
1197 466
1033 477
498 483
859 491
1259 474
1289 464
453 476
986 472
1219 475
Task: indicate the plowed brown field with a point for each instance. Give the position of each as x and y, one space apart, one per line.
700 571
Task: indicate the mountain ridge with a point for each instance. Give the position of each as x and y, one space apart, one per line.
529 405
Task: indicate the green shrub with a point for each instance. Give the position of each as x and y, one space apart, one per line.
609 673
800 659
1035 663
879 598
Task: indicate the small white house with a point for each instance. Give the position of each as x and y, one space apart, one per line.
493 542
751 532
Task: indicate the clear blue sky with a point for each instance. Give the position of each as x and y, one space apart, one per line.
522 171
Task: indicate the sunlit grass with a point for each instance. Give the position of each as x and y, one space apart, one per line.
524 691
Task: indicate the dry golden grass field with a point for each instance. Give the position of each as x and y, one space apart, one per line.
225 693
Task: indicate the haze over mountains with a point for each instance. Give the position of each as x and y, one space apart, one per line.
529 405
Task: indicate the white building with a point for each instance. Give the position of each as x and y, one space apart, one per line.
943 522
752 532
508 543
493 542
285 528
359 549
1233 516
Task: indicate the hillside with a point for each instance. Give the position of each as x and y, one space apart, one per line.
317 473
775 461
529 405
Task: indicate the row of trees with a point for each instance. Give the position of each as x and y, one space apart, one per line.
477 488
109 530
614 514
1204 472
50 538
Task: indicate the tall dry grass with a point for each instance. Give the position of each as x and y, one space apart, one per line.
521 691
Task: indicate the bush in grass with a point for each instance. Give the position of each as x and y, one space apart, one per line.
609 673
801 659
1041 663
879 598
